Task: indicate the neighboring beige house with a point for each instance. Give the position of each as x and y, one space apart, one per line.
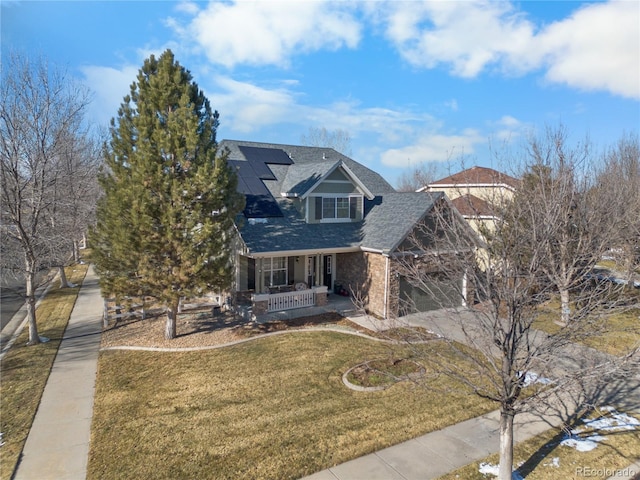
475 191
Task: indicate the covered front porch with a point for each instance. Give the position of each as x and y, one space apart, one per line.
270 284
335 303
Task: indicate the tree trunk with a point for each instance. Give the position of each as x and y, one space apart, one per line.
64 283
34 338
170 325
506 445
565 307
76 255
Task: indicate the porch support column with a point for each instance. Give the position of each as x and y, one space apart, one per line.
259 275
319 269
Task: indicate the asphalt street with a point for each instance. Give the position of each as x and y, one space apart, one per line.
11 299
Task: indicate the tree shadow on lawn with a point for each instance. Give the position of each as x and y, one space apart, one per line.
620 392
199 322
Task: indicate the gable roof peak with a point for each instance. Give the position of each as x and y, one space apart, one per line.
477 175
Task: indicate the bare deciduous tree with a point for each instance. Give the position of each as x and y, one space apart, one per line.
618 185
546 241
560 207
338 139
418 177
41 116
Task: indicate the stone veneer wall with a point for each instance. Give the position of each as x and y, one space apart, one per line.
363 274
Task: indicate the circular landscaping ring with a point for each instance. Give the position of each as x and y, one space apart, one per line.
377 375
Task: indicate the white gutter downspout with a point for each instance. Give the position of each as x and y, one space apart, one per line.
386 287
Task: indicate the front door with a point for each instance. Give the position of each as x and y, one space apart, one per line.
311 271
327 267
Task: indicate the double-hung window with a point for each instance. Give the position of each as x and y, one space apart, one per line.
274 271
329 207
337 208
342 207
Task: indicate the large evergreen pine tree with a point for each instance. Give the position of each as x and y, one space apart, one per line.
165 224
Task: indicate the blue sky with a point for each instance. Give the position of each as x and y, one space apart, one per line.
410 81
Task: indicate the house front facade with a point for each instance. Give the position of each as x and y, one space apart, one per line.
317 223
475 192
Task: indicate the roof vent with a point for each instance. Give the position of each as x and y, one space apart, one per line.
324 156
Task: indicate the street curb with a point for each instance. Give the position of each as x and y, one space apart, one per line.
13 329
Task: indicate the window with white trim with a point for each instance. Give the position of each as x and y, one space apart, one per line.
336 208
274 271
329 207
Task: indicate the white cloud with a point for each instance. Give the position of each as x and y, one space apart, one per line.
433 147
596 48
270 32
245 107
508 128
188 7
110 86
468 36
388 124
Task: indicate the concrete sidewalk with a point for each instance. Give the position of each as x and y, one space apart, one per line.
58 443
437 453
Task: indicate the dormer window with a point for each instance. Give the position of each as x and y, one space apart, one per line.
336 208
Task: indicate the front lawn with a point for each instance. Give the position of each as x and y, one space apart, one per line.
271 408
621 331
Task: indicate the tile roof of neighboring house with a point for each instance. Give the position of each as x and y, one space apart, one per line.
472 206
477 176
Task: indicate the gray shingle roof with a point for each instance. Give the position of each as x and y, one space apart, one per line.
302 155
392 217
389 217
301 178
388 221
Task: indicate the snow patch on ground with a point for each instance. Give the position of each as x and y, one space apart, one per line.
532 377
491 469
582 444
585 437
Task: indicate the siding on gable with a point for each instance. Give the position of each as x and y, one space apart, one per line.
328 187
492 194
338 175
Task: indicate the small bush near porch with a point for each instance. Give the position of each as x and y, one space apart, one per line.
271 408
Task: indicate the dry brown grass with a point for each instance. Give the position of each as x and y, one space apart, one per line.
620 332
271 408
535 458
24 370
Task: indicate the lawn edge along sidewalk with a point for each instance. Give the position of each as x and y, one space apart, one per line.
57 446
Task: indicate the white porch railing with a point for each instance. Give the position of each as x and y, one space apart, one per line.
291 300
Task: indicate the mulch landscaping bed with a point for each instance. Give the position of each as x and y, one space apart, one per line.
201 329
